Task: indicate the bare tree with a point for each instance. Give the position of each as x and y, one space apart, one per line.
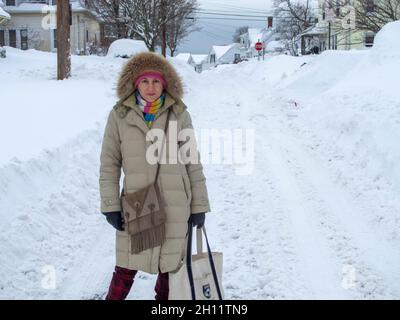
110 11
238 32
370 15
144 20
181 22
293 17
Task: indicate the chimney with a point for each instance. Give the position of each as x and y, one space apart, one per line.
270 21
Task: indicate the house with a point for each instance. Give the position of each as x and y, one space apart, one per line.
4 18
249 39
200 61
330 32
314 39
32 25
223 55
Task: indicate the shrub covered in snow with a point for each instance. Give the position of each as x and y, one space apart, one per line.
125 48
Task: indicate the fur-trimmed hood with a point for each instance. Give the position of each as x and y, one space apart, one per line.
148 61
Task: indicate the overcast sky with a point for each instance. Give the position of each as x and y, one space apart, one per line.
219 32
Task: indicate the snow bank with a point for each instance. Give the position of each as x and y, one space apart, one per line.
51 137
126 48
350 104
387 40
49 112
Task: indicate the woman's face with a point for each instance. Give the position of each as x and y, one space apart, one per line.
150 88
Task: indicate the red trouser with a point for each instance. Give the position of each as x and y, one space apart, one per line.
122 281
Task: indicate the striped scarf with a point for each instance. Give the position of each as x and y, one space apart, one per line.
149 109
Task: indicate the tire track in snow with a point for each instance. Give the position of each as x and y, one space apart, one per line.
375 261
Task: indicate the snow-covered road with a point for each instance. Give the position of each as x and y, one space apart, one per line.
318 217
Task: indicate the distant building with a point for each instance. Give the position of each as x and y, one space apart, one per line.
25 28
223 54
186 57
329 32
254 35
200 60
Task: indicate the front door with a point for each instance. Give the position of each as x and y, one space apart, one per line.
2 42
13 38
24 39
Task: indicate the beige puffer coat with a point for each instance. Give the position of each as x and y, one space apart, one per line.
124 146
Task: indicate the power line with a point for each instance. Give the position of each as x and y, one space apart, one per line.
234 11
239 19
232 15
224 5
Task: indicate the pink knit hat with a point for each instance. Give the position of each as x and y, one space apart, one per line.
152 74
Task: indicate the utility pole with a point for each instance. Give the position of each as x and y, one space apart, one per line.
163 29
63 39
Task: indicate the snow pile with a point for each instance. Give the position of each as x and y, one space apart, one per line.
199 58
125 48
50 112
387 40
350 107
183 56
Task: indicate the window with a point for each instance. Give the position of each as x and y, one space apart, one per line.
55 38
212 58
10 2
237 56
87 35
13 38
24 39
369 40
334 42
2 42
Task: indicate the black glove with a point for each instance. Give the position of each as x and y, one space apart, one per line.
115 219
198 219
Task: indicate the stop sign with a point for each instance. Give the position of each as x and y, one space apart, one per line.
258 46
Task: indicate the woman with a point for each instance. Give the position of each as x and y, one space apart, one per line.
150 91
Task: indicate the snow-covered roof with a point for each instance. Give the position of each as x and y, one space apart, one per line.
199 58
255 35
221 50
315 30
126 48
4 14
183 56
275 45
26 7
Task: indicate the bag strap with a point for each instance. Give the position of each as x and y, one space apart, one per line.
162 147
189 261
